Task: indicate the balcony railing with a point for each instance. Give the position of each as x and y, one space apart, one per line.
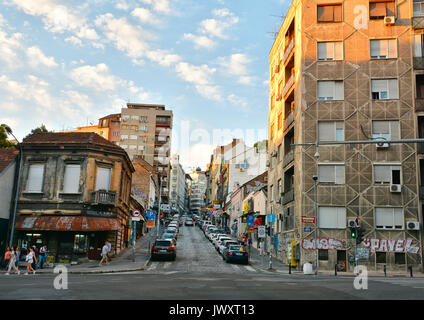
103 197
288 50
288 121
288 196
289 157
288 85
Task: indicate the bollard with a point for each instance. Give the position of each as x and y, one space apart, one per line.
385 274
410 271
290 268
335 269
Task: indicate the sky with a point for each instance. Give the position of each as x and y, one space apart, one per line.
67 63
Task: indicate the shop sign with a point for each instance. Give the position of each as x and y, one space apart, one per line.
399 246
308 219
307 229
100 213
261 232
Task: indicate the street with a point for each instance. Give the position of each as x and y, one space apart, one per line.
199 273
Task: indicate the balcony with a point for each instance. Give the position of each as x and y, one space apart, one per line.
288 85
288 196
288 121
103 197
288 158
418 15
288 50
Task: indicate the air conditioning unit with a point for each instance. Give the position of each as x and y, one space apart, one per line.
351 223
413 225
268 163
274 153
389 20
395 188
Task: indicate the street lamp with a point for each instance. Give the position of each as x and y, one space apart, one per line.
9 131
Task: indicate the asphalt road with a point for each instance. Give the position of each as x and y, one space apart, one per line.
199 273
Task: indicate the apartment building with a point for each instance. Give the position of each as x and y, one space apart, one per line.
145 131
178 186
198 187
107 127
342 71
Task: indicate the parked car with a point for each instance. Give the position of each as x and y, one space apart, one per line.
163 248
220 239
172 230
210 229
235 253
169 235
189 223
225 244
215 236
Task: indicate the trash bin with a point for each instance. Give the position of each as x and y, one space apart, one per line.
307 268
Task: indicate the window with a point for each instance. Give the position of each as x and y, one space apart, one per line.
134 118
330 13
280 187
125 117
399 258
133 147
124 137
271 190
280 121
143 119
330 90
280 156
380 257
103 178
133 137
323 254
142 128
142 148
124 146
418 45
383 49
331 173
381 9
332 217
387 174
330 131
35 178
389 218
418 8
272 132
272 102
383 89
329 51
115 133
389 130
71 181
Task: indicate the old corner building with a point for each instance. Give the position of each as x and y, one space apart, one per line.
345 71
74 195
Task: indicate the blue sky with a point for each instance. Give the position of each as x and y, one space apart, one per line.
67 63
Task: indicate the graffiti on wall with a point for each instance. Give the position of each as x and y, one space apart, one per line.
323 243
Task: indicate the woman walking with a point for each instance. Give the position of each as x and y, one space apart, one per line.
30 258
7 255
12 262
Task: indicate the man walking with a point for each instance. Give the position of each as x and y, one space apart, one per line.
42 256
261 248
105 250
34 263
109 249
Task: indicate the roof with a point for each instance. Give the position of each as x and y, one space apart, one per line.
114 115
7 156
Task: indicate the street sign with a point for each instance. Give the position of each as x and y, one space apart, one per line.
136 215
307 229
250 228
150 224
250 220
308 219
261 232
363 254
270 218
150 215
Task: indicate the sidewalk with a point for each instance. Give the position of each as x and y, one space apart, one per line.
123 262
262 262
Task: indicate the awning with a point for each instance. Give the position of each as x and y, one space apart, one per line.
66 223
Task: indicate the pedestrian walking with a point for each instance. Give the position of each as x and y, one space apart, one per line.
12 262
105 250
18 256
34 264
42 256
30 259
109 250
261 248
7 255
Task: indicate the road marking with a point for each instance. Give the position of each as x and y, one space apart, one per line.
153 267
167 265
250 268
236 268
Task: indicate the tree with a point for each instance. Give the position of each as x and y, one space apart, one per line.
4 143
41 128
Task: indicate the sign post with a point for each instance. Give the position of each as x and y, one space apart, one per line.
135 217
270 219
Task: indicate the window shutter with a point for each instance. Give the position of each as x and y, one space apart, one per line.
340 174
380 127
338 89
72 178
103 178
330 50
383 48
322 50
390 8
326 173
375 48
381 173
341 217
325 13
417 45
392 48
379 217
377 9
35 178
337 13
326 131
378 85
338 50
394 130
327 217
398 218
325 89
393 88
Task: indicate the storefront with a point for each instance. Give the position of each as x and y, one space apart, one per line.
68 239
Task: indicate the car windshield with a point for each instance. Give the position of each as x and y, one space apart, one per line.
227 243
163 243
171 231
168 235
236 248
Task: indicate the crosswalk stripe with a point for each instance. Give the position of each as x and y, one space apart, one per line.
250 268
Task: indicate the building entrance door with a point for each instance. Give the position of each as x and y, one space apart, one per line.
341 260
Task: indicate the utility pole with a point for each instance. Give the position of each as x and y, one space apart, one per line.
270 240
316 224
134 238
158 214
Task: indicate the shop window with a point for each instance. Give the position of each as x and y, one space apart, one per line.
380 257
323 254
330 13
80 244
399 258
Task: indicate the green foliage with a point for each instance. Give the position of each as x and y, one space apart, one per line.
4 143
41 128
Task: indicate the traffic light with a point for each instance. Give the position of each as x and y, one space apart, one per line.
360 235
353 232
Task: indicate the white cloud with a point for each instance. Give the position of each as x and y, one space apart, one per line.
95 77
122 5
161 6
200 41
9 45
163 57
242 103
57 17
218 27
74 40
37 58
237 65
145 16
